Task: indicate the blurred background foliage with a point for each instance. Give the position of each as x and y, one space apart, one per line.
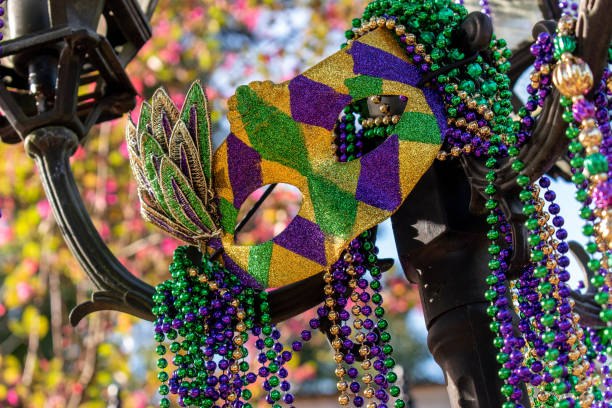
108 360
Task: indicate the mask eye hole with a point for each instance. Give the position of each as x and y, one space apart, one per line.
276 210
364 124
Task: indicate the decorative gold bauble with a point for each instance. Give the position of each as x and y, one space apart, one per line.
604 229
590 136
572 76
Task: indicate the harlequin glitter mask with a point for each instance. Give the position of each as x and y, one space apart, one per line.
282 134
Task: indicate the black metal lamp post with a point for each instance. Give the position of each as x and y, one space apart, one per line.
56 49
62 72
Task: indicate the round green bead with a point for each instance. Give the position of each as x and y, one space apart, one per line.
275 395
596 163
551 354
548 337
597 281
556 371
164 403
606 315
504 373
547 320
601 298
507 389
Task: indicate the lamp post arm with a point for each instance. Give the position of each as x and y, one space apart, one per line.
117 288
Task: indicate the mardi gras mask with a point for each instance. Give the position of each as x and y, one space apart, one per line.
281 133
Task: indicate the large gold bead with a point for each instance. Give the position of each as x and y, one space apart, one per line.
543 396
590 136
604 229
574 355
340 371
341 385
343 399
566 24
368 392
572 76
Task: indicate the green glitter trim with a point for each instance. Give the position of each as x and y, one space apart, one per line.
145 118
197 97
169 171
335 210
363 86
418 127
272 133
259 262
229 213
151 148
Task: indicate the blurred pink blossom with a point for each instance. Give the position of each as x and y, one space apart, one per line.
6 234
43 208
12 397
30 266
24 291
124 150
168 246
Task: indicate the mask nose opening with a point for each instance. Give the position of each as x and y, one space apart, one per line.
266 213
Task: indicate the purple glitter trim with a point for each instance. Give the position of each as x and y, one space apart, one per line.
232 267
178 194
315 103
185 164
244 164
372 61
379 183
435 104
191 125
305 238
156 163
166 126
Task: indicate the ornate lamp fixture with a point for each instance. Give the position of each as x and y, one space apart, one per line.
63 72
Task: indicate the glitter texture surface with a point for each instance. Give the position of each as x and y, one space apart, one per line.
290 125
